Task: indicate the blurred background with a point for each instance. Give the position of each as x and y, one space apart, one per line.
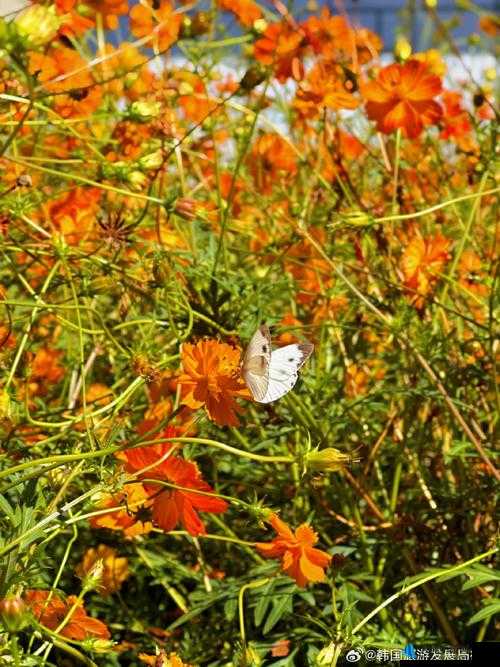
389 18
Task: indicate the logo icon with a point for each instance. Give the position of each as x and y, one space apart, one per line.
353 655
409 652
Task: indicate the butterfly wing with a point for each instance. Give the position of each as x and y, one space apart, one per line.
284 369
255 366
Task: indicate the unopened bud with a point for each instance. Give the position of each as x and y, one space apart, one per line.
142 111
151 160
254 76
13 613
97 645
137 180
93 577
24 181
185 207
357 219
402 48
327 655
326 460
38 25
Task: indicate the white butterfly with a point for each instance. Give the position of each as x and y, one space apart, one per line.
271 374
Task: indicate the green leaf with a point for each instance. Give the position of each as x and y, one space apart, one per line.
281 606
493 607
262 605
230 609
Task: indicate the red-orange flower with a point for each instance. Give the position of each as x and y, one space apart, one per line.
299 559
402 97
51 614
211 379
173 506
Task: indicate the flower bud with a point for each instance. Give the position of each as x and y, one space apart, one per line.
13 613
326 656
93 577
358 219
402 48
151 160
260 26
185 207
326 460
97 645
37 25
142 111
137 180
8 407
254 75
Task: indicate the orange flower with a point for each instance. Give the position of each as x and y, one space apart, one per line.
114 572
456 122
299 559
402 97
211 379
52 70
334 38
422 261
327 86
133 519
157 19
272 157
173 506
74 213
471 273
161 660
281 45
110 10
51 614
45 366
246 11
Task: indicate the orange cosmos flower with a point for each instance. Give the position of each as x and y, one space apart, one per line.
173 506
471 273
246 11
327 86
299 559
402 97
45 366
114 568
334 38
133 517
158 20
110 10
281 45
456 122
211 379
51 614
271 158
82 97
73 214
422 261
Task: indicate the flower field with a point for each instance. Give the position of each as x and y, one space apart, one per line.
249 355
